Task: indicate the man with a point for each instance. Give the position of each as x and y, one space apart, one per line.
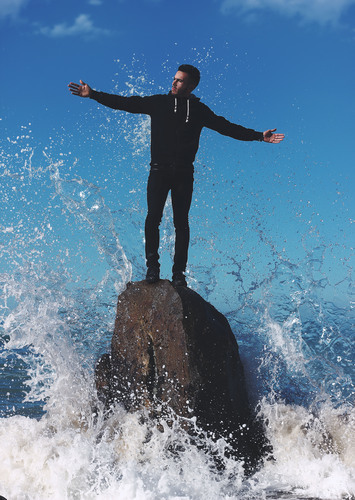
177 119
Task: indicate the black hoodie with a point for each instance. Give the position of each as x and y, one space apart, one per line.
176 124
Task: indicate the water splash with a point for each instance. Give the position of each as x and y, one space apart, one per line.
258 252
85 201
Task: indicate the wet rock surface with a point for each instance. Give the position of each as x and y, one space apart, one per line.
171 348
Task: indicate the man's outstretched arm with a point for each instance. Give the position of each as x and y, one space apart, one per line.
82 90
225 127
132 104
269 136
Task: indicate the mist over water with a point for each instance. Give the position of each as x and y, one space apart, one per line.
266 250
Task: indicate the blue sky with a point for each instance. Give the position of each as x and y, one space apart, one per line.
287 54
299 53
264 64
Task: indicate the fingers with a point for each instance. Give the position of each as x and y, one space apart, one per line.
75 88
276 138
269 136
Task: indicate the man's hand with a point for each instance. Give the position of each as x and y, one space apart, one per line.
82 90
269 136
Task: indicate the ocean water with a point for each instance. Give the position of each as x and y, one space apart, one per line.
266 250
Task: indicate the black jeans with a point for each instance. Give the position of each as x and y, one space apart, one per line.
180 183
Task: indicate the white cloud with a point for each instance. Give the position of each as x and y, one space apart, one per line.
83 26
95 2
320 11
11 7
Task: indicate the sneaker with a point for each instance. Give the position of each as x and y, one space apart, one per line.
152 275
179 279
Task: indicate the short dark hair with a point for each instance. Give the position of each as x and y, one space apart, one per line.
194 73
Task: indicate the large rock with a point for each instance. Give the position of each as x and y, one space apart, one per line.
171 346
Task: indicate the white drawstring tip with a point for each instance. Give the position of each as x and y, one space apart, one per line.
188 111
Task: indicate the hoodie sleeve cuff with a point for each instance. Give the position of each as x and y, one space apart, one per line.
94 94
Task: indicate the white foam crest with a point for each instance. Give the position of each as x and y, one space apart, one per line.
38 334
124 457
284 348
127 456
286 339
40 463
314 453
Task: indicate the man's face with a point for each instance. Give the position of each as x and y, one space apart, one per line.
181 84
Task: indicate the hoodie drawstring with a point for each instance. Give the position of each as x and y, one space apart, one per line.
187 111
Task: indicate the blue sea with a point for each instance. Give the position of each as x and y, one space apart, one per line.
271 248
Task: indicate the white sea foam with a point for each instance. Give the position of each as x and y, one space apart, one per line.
73 457
314 454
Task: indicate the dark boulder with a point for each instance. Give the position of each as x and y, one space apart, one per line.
170 346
